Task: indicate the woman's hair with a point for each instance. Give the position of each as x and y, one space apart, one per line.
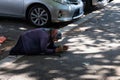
55 33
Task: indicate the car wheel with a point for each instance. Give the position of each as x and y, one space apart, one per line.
87 5
39 16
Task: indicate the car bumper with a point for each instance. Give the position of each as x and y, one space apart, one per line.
67 12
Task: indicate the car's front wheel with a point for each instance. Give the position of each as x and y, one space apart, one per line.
39 15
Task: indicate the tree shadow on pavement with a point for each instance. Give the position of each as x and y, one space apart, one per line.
94 54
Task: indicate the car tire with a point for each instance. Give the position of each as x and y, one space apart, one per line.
87 5
39 15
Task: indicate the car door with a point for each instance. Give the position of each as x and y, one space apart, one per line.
11 7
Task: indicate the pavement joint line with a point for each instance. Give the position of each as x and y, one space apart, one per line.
10 59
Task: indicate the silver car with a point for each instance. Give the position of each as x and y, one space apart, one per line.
42 12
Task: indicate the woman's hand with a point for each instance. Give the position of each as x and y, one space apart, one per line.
65 47
61 48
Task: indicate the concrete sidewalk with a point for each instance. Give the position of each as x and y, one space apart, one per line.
93 53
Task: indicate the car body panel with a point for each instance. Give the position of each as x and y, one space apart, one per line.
11 7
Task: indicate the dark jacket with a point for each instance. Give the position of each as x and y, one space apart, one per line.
36 41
